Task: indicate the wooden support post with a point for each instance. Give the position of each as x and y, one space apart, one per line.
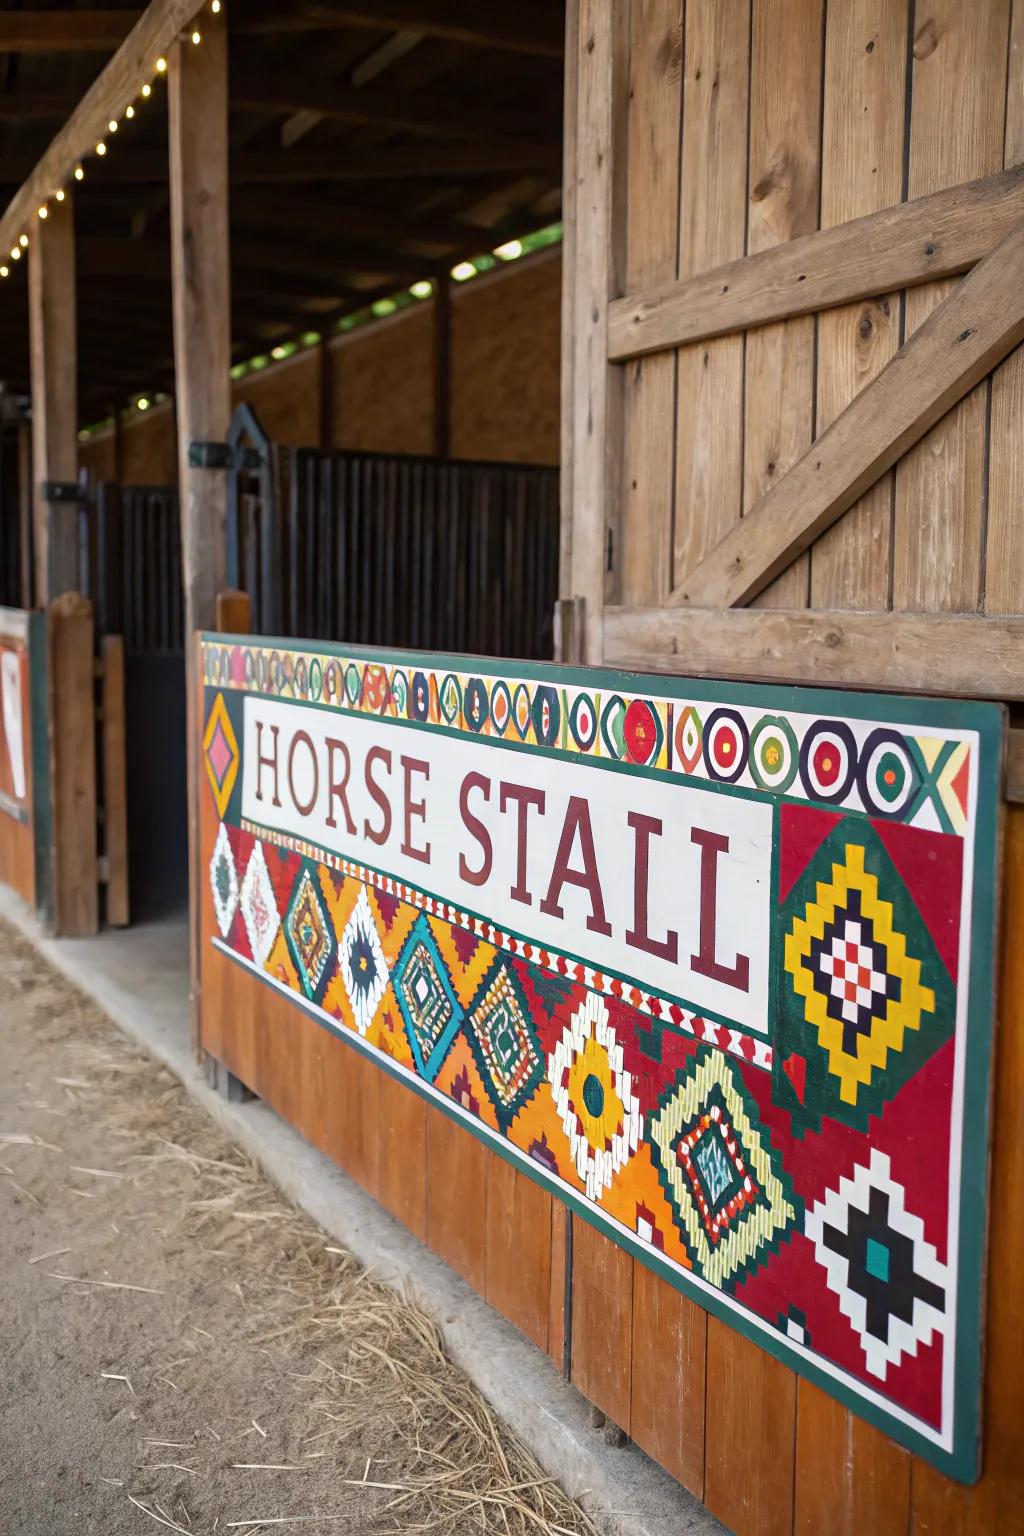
201 298
443 365
115 784
73 767
53 346
234 612
27 574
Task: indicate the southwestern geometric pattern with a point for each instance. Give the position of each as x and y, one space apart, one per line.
819 1184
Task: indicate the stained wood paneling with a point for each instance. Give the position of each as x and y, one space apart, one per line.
652 232
403 1154
849 1477
713 171
668 1382
862 172
751 1434
602 1322
784 171
959 56
520 1275
457 1197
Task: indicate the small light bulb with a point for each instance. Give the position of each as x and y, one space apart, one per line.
112 125
197 38
129 111
143 404
43 211
16 252
59 194
79 173
101 148
215 7
23 240
161 66
147 89
5 271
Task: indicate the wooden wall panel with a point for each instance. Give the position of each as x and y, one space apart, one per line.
602 1322
959 56
457 1197
521 1279
713 170
784 178
751 1419
865 74
667 1379
652 243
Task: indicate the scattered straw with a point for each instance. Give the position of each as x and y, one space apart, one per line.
52 1253
106 1285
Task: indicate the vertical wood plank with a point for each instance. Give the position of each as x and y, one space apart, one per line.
960 55
115 783
402 1173
1003 590
850 1477
559 1340
709 420
669 1346
652 223
457 1197
602 53
73 767
54 369
862 172
751 1425
602 1321
996 1503
784 174
567 425
518 1249
197 98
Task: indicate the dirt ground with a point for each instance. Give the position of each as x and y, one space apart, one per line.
182 1349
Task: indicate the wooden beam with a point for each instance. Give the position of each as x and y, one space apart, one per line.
980 322
434 114
116 85
931 237
976 656
593 388
198 134
73 767
53 347
85 31
528 26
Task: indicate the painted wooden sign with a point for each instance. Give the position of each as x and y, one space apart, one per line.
712 962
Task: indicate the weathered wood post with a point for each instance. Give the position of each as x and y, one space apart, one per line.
198 130
53 344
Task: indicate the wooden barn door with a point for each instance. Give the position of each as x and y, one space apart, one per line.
793 444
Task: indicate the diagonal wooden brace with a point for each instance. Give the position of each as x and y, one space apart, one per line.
971 332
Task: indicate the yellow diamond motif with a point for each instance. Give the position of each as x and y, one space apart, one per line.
220 747
861 988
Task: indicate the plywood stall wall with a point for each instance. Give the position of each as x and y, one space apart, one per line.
505 384
701 135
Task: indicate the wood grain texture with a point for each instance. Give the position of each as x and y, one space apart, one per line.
862 174
567 336
602 1322
748 1478
559 1340
53 347
784 174
709 415
976 326
599 229
652 223
668 1381
1003 585
901 245
73 767
403 1154
115 783
850 1478
996 1503
946 653
959 54
457 1187
518 1264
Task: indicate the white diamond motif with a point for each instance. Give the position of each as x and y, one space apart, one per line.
364 969
223 882
259 907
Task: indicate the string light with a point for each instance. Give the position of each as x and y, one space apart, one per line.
59 194
197 38
79 173
16 252
43 211
161 66
23 240
112 125
215 7
129 111
142 403
5 271
101 148
147 89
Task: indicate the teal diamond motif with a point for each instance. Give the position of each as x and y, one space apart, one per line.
427 1000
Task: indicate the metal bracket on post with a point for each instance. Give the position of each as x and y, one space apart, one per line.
223 456
63 490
